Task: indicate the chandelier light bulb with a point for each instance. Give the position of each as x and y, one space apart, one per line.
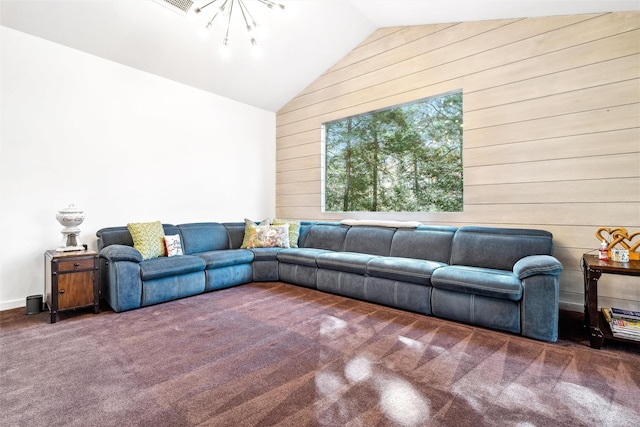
225 49
227 9
270 4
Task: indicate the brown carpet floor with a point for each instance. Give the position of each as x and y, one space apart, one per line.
268 354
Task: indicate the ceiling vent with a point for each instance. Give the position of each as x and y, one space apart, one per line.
179 6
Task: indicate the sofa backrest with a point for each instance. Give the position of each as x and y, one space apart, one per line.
120 235
369 240
305 226
431 243
498 248
236 233
203 237
325 235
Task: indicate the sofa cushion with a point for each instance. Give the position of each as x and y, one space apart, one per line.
480 281
236 233
226 257
369 240
266 254
148 238
326 236
301 256
174 266
498 248
404 269
426 242
305 226
350 262
113 236
203 237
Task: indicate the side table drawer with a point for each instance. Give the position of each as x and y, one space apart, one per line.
76 265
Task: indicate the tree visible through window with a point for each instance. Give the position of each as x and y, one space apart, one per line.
402 159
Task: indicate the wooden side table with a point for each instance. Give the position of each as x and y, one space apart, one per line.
71 281
593 269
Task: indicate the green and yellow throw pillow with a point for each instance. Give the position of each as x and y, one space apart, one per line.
148 238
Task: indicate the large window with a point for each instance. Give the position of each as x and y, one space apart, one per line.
402 159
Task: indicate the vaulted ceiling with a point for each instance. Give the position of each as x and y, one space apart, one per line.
299 45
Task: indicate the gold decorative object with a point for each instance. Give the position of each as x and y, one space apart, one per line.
620 236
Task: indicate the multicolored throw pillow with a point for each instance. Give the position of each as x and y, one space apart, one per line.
172 245
294 230
148 238
247 225
268 236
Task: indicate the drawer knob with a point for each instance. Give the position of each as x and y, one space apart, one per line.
62 291
76 264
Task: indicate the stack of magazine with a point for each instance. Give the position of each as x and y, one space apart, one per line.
623 323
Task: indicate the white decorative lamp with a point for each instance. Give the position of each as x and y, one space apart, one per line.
70 218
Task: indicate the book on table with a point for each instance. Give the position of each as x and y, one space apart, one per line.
625 314
622 327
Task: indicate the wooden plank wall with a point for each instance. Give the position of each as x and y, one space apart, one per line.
551 127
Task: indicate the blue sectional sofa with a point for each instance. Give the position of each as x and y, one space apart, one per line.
500 278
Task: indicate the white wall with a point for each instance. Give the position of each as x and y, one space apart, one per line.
124 145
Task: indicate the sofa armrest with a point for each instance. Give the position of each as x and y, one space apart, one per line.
121 253
540 296
120 278
537 264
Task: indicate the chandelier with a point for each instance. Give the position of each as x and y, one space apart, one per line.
226 9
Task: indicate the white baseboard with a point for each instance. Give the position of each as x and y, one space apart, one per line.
9 305
571 306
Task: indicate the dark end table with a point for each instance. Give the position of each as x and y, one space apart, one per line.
593 268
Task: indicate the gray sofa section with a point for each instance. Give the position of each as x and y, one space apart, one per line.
499 278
